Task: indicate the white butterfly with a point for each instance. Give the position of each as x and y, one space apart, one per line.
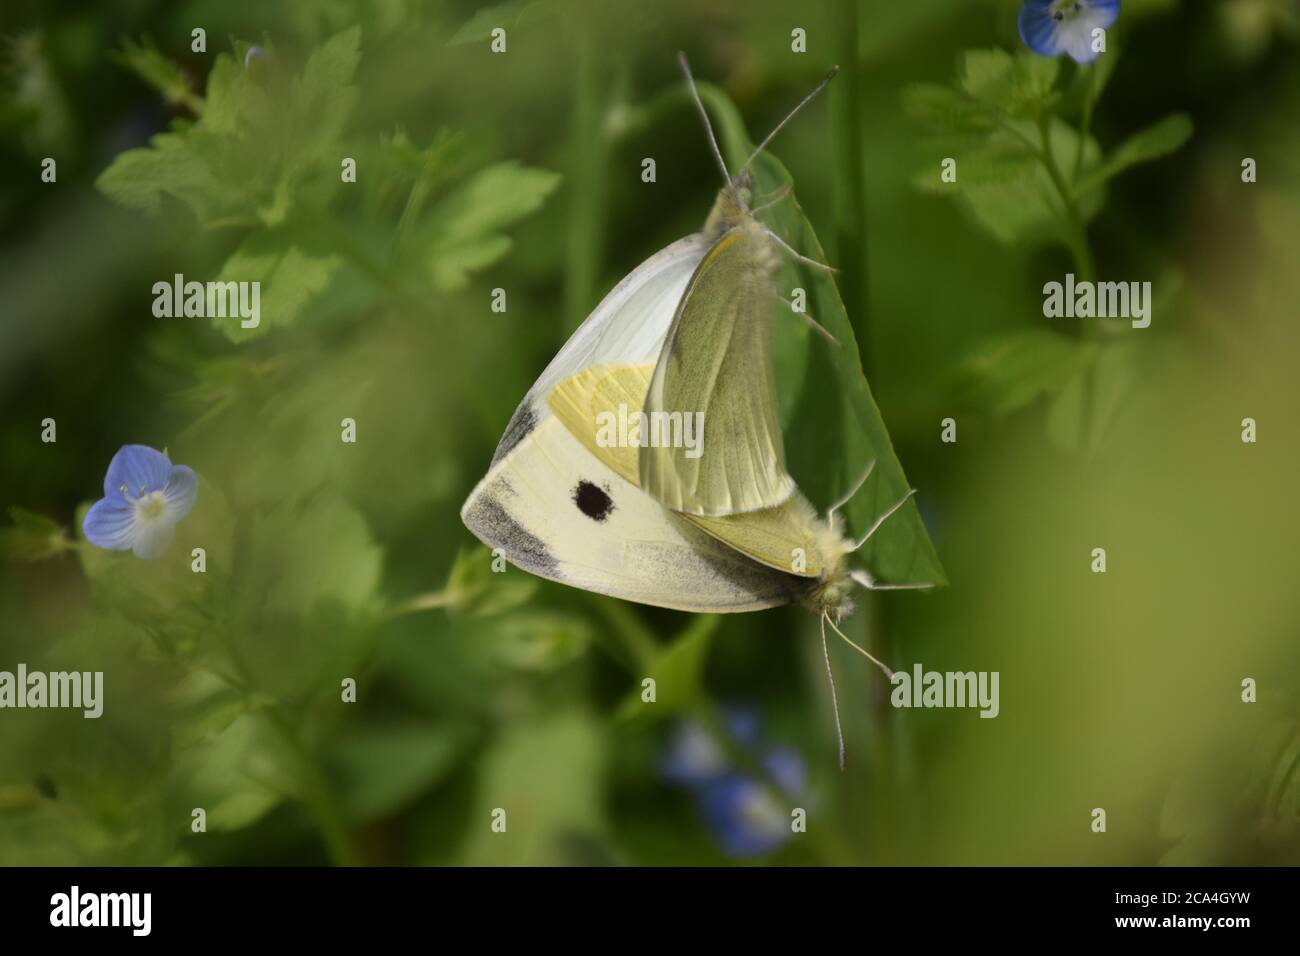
559 505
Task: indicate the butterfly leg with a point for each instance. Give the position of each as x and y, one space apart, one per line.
865 579
857 647
882 519
853 491
811 322
796 255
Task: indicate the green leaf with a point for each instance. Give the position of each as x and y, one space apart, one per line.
1019 86
540 641
305 554
325 93
678 672
291 278
545 775
264 142
466 226
474 587
987 76
380 767
204 705
32 537
1085 409
138 178
1156 141
159 71
511 14
452 264
236 776
832 426
943 109
1023 205
1007 373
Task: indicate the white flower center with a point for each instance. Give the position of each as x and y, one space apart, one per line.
150 507
761 813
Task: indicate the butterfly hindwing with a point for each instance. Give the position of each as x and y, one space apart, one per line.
559 512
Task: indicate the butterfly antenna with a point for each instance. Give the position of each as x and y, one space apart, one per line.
781 125
857 647
835 704
871 466
699 105
882 519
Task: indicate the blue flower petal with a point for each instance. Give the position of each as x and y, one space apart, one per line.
138 467
743 724
1108 10
1076 37
786 767
181 491
110 523
744 818
152 538
693 756
1038 27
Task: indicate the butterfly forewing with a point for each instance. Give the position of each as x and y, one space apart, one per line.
716 362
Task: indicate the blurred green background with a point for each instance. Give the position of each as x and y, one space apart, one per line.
522 171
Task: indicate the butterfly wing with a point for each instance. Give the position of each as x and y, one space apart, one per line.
559 512
586 402
629 325
716 359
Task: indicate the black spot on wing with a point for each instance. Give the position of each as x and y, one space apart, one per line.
521 425
592 500
494 525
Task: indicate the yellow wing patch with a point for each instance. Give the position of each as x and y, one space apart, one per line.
596 406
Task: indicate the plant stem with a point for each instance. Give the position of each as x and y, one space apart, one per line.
318 796
1084 264
429 601
850 172
639 647
1077 231
587 162
1089 100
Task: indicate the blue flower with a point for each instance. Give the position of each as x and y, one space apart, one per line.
746 816
1053 27
695 756
145 495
